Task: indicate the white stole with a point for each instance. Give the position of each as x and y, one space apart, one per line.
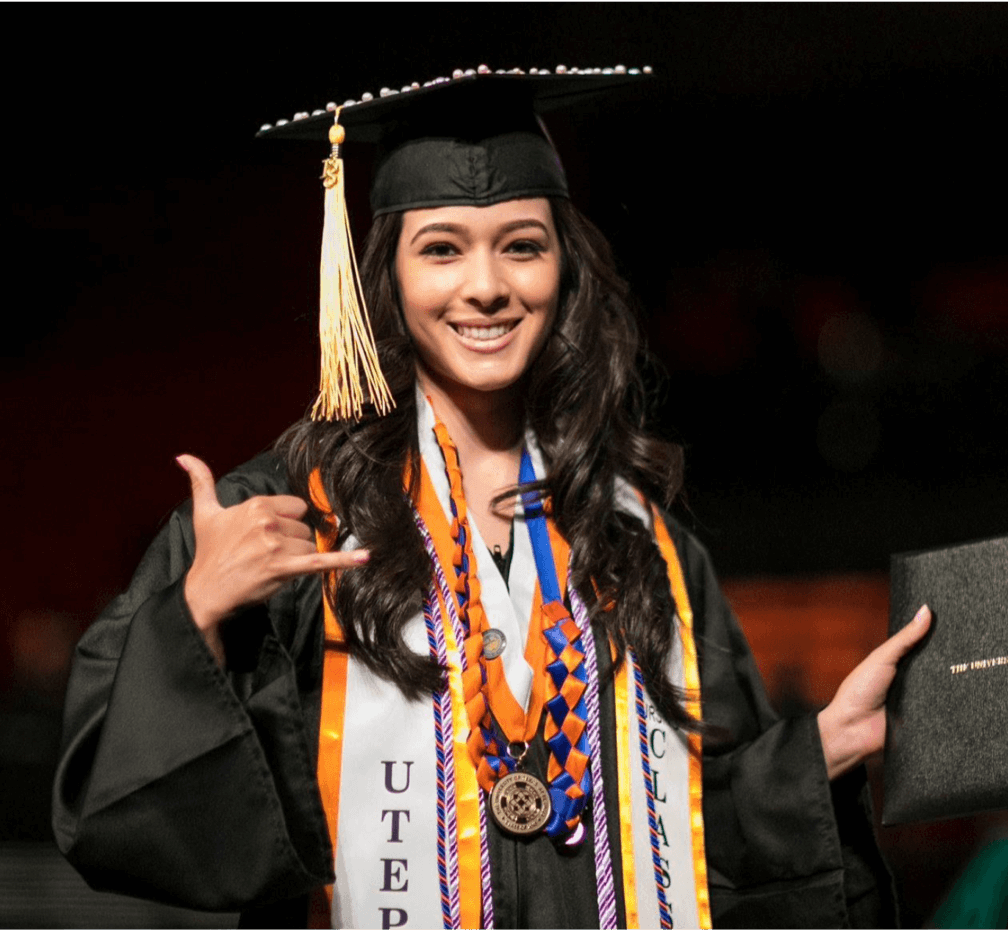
386 852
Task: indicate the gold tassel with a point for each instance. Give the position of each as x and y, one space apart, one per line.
348 345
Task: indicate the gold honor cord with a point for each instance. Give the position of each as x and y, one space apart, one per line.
347 342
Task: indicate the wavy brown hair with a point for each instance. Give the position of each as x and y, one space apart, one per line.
586 402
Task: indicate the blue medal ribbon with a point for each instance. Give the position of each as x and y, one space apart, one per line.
564 806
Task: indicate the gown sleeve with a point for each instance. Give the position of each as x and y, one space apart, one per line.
179 782
785 846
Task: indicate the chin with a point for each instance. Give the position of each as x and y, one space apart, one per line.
494 385
465 379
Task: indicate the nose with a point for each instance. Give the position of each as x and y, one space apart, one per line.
486 287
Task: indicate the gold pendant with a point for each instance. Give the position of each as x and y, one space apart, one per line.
520 804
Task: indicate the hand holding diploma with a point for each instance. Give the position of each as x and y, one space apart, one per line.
852 726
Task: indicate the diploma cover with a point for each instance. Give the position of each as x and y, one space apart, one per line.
946 752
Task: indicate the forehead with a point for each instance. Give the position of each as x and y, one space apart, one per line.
480 219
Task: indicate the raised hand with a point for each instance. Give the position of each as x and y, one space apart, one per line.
852 726
245 553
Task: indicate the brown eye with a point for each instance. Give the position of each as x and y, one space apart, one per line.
526 247
439 250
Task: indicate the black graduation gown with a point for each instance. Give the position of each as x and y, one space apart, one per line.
182 783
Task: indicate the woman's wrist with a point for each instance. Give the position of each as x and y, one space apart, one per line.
839 751
207 621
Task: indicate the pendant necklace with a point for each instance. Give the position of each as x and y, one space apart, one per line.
519 801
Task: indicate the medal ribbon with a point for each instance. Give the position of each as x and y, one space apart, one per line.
568 771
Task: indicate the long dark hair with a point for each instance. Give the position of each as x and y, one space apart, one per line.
586 402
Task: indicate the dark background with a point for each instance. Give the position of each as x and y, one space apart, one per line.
808 200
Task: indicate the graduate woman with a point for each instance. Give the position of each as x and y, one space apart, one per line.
362 682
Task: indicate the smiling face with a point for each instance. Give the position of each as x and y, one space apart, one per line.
479 289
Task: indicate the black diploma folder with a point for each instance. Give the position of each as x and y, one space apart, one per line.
946 752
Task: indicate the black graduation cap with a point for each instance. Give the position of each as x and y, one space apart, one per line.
473 139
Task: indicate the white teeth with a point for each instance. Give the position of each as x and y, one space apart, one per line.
484 332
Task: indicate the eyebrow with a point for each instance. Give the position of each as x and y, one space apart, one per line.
460 230
436 228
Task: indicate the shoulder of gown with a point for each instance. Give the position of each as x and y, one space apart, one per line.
785 846
177 781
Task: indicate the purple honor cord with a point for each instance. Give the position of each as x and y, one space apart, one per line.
442 701
448 848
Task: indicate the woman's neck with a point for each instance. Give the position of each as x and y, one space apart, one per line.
488 432
479 422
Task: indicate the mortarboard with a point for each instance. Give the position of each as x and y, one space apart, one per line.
473 139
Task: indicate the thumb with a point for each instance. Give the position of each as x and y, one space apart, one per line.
204 494
900 643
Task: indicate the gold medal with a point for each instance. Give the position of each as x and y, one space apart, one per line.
520 804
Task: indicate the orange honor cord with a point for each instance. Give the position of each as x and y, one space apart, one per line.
691 675
515 721
468 801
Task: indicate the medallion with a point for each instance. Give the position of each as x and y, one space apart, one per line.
520 804
494 642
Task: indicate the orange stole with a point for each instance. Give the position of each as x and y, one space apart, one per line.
334 674
512 717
